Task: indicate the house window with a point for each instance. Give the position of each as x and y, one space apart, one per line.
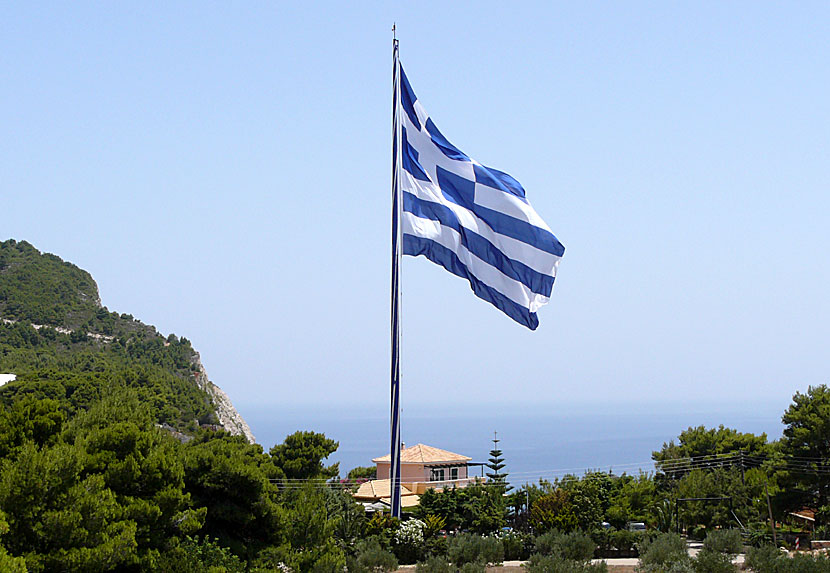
436 474
453 473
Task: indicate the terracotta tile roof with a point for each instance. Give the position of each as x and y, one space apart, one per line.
406 501
378 489
422 454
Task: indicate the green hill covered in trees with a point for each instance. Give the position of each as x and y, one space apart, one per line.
40 288
62 344
112 452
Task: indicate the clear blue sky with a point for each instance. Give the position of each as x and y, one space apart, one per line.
223 169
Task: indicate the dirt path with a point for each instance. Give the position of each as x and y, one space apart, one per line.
519 569
516 567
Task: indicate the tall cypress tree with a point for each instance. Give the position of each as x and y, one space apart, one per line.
496 464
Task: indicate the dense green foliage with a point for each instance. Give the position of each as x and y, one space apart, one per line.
805 449
300 456
109 490
478 507
64 346
434 564
668 552
77 374
557 552
726 541
105 461
771 560
371 557
574 546
195 555
662 552
468 548
42 289
700 443
735 470
552 564
363 473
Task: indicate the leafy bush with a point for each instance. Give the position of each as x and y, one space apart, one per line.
436 546
409 541
410 532
474 567
626 540
602 538
803 563
547 543
363 473
196 556
574 546
477 508
697 532
759 536
726 541
609 540
517 546
553 564
433 524
434 564
467 548
683 566
769 559
662 551
554 511
10 564
710 561
762 559
370 556
328 562
381 523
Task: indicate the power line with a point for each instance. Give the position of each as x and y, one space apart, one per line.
802 465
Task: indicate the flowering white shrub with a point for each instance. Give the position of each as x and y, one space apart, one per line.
410 532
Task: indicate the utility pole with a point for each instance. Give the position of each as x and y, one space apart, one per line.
677 514
771 520
743 477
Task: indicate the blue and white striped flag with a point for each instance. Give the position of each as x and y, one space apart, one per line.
472 220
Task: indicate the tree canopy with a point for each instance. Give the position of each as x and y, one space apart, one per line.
109 455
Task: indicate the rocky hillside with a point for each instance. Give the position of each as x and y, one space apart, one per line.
61 343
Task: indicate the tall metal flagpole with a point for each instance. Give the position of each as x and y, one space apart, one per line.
395 418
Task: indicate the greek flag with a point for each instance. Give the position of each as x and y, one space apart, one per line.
472 220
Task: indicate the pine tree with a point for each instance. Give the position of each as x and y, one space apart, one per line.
496 464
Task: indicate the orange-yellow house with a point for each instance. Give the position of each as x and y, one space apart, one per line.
426 467
422 467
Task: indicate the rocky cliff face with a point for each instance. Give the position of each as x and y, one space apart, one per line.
230 420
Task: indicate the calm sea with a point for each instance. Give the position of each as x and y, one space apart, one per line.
542 442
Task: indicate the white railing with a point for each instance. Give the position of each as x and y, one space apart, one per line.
421 486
